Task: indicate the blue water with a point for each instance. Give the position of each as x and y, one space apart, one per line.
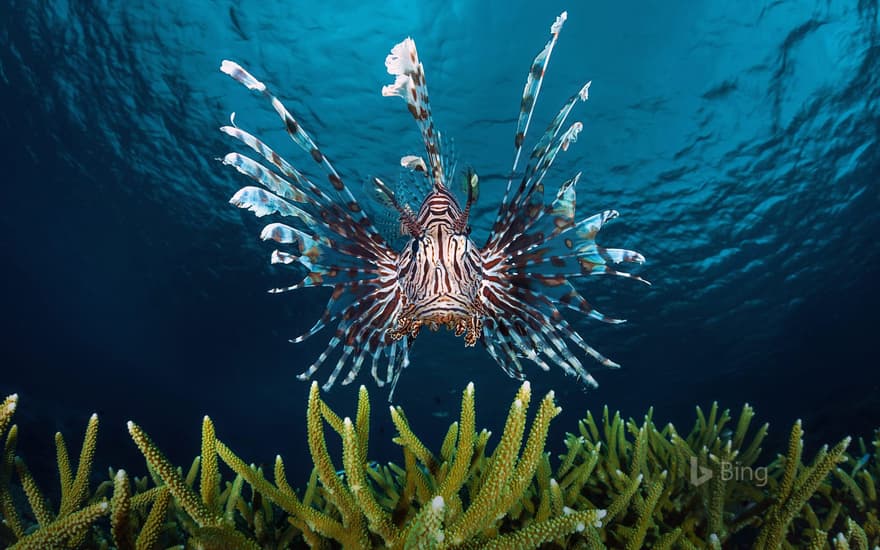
739 142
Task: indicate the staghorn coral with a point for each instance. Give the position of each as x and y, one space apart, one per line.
136 520
705 489
422 505
69 526
78 511
618 484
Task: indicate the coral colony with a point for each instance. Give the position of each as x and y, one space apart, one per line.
618 484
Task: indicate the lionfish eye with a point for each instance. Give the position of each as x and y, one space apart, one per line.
415 246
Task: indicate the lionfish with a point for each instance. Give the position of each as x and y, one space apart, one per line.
506 294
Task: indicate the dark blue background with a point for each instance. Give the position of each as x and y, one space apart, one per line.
739 143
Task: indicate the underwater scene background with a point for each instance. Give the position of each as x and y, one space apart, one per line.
739 141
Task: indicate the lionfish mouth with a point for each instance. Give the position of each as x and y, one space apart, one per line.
413 318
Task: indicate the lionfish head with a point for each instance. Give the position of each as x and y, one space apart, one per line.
440 272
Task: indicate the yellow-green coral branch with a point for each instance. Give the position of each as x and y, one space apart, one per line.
7 505
646 510
589 424
35 497
773 532
556 500
172 478
851 486
362 421
857 535
281 476
543 511
331 417
831 516
379 520
577 478
120 513
447 448
221 537
65 474
233 499
540 532
614 436
426 531
751 453
342 498
486 502
792 460
742 425
287 501
64 530
818 540
870 487
621 501
209 482
417 480
640 448
717 487
152 527
665 541
464 449
7 409
528 462
574 445
141 501
193 472
408 439
79 489
311 488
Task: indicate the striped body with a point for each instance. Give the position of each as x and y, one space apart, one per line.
440 273
507 293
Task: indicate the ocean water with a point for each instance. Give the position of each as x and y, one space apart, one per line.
739 141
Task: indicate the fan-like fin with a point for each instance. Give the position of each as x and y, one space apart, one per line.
263 203
262 175
302 139
287 169
413 184
409 83
334 242
340 299
564 294
533 88
527 204
547 148
385 217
